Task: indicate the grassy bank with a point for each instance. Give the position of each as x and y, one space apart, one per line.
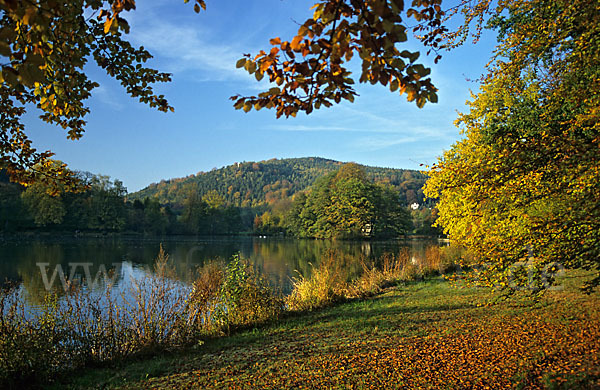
423 334
154 312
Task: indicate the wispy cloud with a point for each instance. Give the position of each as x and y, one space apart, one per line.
318 128
373 143
106 96
183 45
374 119
372 131
183 48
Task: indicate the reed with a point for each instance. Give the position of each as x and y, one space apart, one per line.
330 280
155 312
326 284
158 312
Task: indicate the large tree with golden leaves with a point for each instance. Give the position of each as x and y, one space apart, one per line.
522 189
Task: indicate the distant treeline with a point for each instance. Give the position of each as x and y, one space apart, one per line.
345 203
253 184
103 207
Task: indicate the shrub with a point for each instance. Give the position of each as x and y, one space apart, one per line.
453 257
157 311
246 297
156 308
204 297
26 348
412 272
331 281
326 284
378 275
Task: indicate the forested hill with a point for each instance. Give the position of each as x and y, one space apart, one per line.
250 184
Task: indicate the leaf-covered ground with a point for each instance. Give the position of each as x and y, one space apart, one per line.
425 335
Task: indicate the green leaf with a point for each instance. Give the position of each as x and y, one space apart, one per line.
399 4
239 104
240 63
5 49
433 97
250 66
405 54
398 64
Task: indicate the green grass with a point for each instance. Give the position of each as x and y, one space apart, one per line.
424 334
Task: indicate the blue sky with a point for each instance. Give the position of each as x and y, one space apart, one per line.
129 141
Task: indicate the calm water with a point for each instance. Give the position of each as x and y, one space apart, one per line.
42 262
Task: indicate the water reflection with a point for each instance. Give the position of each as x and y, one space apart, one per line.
38 263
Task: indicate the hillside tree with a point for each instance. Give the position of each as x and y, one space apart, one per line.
345 204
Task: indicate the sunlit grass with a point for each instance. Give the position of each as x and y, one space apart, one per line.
389 324
422 334
158 313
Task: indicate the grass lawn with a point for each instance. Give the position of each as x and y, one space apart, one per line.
422 335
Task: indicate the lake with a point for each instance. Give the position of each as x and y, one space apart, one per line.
42 263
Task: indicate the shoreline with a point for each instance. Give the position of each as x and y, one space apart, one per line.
413 335
184 237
